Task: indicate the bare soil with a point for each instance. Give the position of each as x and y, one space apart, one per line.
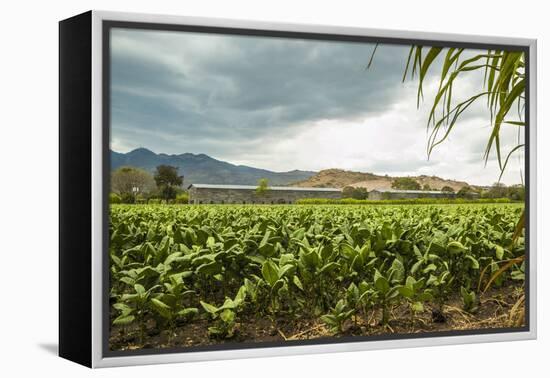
498 308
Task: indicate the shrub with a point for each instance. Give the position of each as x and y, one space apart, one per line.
168 192
127 198
153 201
182 198
140 199
114 198
355 193
405 183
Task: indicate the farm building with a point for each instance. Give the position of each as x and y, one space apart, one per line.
380 194
209 193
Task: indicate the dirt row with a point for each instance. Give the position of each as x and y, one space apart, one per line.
498 308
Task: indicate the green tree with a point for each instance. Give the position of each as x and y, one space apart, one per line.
516 192
168 181
114 198
129 182
426 187
182 198
465 192
405 183
263 187
355 193
447 188
497 190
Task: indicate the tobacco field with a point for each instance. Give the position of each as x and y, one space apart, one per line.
184 275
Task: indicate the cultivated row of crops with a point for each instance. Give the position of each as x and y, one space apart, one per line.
174 265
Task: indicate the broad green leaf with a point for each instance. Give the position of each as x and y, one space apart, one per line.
499 252
270 272
139 289
227 316
475 263
406 291
429 268
210 269
456 247
209 308
381 283
124 320
162 308
330 320
410 282
276 286
417 306
241 295
298 283
265 239
188 312
285 269
425 296
329 267
397 271
210 242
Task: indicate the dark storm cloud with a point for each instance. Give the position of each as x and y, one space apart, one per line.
285 104
196 90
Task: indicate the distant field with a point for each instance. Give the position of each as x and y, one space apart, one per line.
196 275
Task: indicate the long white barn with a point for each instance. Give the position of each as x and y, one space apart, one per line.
243 194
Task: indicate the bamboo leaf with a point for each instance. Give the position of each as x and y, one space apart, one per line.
372 56
430 57
503 168
408 63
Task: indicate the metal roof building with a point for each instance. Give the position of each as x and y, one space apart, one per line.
243 194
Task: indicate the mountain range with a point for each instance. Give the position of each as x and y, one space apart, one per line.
203 169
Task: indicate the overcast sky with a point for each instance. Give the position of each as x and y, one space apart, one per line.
285 104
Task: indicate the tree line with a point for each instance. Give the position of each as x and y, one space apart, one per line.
497 190
136 185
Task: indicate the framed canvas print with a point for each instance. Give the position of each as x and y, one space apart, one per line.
238 189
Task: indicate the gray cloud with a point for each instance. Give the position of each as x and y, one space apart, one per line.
266 102
251 87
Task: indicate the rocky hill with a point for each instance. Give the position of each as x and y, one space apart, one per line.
339 178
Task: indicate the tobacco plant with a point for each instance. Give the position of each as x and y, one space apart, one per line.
174 265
